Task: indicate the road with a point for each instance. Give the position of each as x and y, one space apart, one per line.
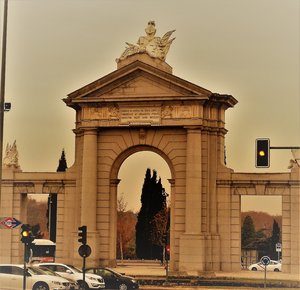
206 288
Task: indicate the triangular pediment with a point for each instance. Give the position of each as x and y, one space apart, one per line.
138 81
144 86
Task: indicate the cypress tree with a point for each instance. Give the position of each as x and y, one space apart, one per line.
142 225
62 165
248 231
274 239
152 218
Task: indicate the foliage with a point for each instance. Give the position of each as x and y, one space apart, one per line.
152 218
36 218
126 221
248 231
261 240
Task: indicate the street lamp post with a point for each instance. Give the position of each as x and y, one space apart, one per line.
2 86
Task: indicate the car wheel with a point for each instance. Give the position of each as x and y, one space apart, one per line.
276 270
122 286
254 269
40 286
83 285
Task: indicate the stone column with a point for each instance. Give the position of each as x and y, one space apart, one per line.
191 244
89 179
193 182
295 221
89 193
172 227
113 221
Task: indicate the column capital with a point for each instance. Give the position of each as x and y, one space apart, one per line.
115 181
172 182
90 130
193 129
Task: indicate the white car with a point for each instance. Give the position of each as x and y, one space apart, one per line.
11 278
92 281
73 284
273 266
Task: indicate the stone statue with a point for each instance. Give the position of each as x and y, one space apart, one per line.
152 45
11 158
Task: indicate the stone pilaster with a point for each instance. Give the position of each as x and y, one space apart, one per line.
295 222
89 179
113 221
89 192
191 244
193 181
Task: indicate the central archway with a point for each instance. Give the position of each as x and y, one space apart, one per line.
115 174
129 201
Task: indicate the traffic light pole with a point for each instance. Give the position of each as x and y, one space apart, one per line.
83 271
293 147
24 268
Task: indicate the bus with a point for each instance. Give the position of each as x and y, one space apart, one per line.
42 250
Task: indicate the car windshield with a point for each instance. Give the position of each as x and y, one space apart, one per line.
74 269
116 273
35 271
49 272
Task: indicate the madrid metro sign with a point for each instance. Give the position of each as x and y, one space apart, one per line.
9 223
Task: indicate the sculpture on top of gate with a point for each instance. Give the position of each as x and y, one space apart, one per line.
156 47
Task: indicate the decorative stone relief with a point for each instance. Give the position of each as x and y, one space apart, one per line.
101 113
180 112
24 187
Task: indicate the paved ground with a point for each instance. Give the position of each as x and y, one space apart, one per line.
206 288
155 269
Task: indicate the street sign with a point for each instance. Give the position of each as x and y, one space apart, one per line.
278 247
9 223
84 251
265 260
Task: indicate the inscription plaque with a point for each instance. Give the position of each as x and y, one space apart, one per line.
143 115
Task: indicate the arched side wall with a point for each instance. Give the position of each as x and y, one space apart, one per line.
229 204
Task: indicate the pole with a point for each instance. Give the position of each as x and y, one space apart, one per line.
24 268
290 147
265 283
83 271
2 86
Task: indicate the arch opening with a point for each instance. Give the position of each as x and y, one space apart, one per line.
261 230
131 173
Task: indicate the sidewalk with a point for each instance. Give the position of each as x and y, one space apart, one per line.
154 269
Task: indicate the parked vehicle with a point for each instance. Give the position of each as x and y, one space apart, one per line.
114 280
92 281
73 284
11 278
273 266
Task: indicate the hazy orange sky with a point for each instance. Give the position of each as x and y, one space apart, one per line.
249 49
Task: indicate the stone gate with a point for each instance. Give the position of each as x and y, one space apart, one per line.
142 106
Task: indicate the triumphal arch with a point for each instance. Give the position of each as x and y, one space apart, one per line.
143 106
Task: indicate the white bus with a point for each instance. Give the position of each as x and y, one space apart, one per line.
43 251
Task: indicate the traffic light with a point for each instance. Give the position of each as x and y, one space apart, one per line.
26 235
262 150
82 235
168 249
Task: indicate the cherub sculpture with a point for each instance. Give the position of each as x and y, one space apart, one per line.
154 46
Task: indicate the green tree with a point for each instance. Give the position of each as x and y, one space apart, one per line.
273 240
142 225
248 231
62 164
152 218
